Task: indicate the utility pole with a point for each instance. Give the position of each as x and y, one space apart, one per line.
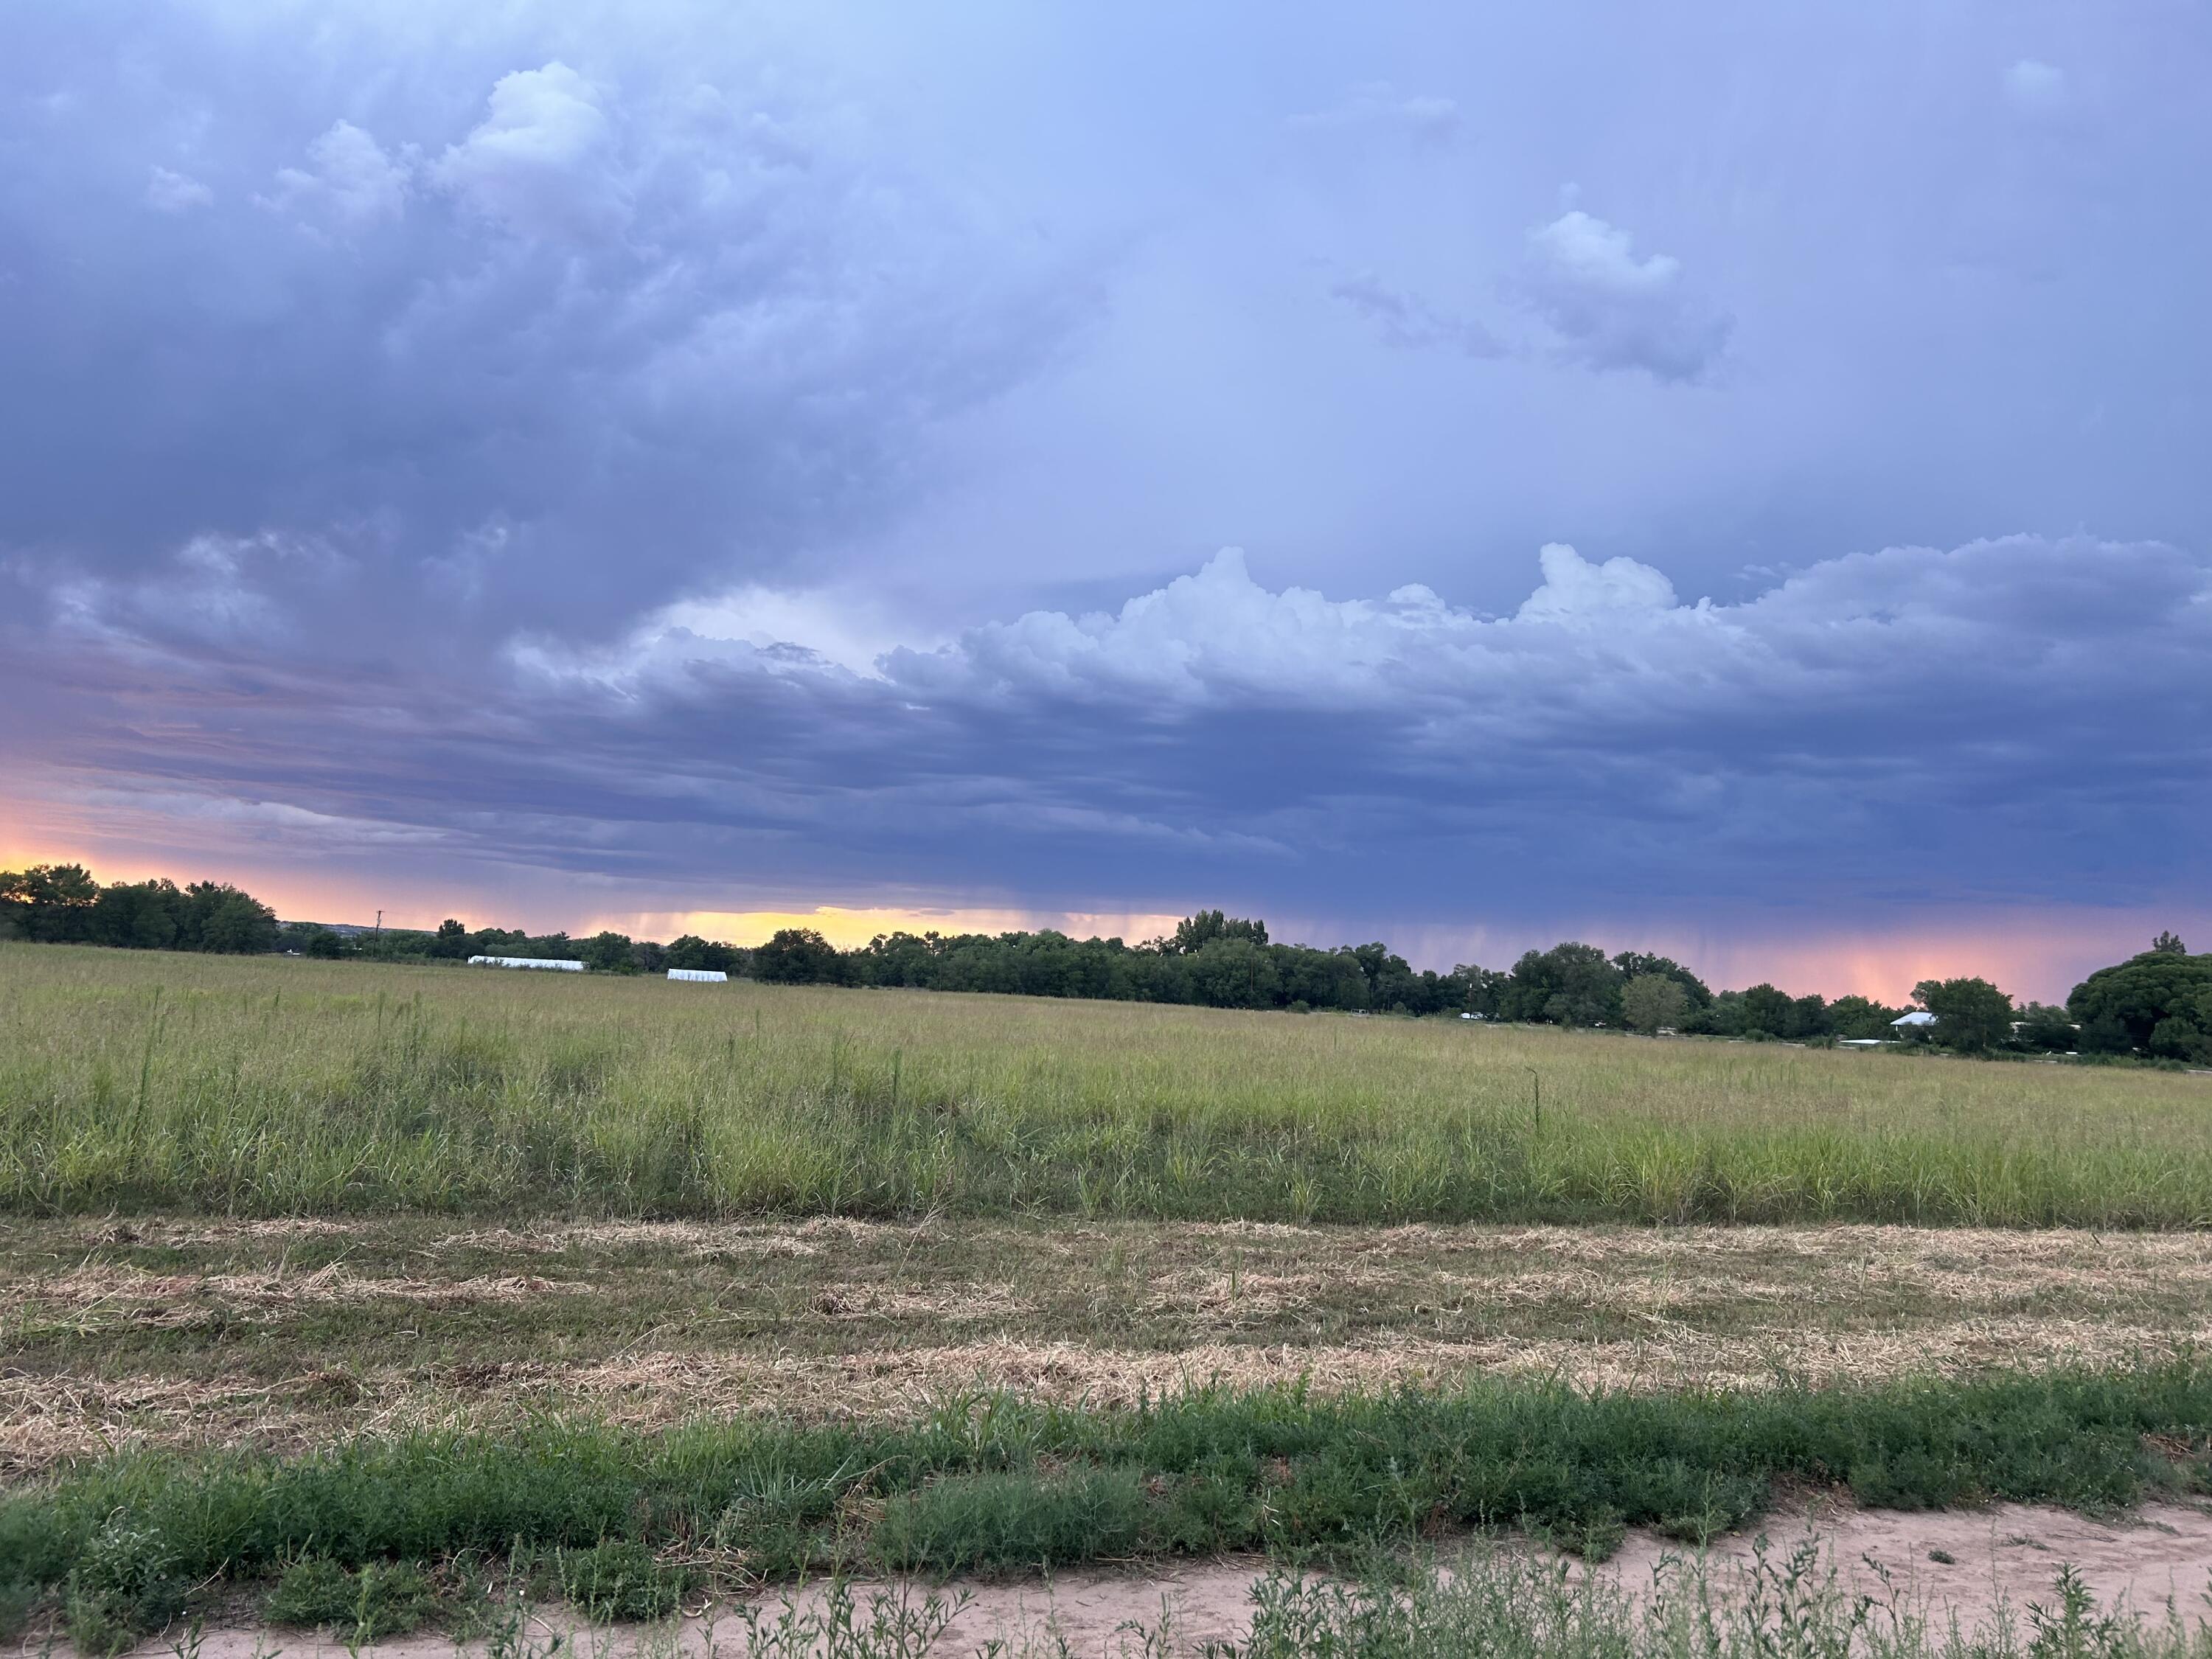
379 933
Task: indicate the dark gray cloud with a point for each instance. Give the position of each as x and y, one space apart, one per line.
590 443
1915 726
536 348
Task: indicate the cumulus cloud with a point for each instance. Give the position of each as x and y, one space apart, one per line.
176 193
349 184
1408 323
1903 619
539 163
1577 593
1377 106
1906 724
1906 721
1614 311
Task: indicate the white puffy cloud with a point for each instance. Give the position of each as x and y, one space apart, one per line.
350 183
176 193
542 161
1613 310
1864 628
1576 593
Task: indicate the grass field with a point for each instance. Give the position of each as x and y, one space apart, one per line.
353 1296
266 1087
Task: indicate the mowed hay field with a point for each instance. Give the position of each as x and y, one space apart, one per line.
187 1332
144 1081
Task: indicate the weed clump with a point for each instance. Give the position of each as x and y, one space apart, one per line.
618 1580
1000 1520
379 1600
125 1584
19 1597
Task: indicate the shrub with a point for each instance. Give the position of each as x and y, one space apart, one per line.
617 1580
379 1600
125 1585
18 1596
1012 1520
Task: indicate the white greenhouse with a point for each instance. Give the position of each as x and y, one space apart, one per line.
557 964
699 976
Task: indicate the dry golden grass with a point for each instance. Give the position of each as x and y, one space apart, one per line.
184 1331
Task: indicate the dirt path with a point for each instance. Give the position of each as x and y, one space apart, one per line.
1965 1565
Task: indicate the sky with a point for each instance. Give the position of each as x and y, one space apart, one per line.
1721 478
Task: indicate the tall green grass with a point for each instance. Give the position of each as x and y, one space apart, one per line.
996 1482
135 1079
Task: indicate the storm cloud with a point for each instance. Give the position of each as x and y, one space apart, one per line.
464 358
1740 465
1919 725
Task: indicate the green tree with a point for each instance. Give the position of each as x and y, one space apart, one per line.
49 903
2169 944
1651 1001
1570 984
797 956
313 938
145 915
1391 983
2158 1002
2045 1028
689 950
2185 1034
609 953
1194 933
1766 1011
1232 973
1861 1016
222 918
1809 1018
1633 963
450 942
1971 1015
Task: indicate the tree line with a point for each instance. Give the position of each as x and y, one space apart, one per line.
2157 1005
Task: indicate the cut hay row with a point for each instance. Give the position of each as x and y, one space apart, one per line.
183 1330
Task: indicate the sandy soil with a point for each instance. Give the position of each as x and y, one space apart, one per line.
2004 1557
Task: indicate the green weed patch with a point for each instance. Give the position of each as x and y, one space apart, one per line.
995 1482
